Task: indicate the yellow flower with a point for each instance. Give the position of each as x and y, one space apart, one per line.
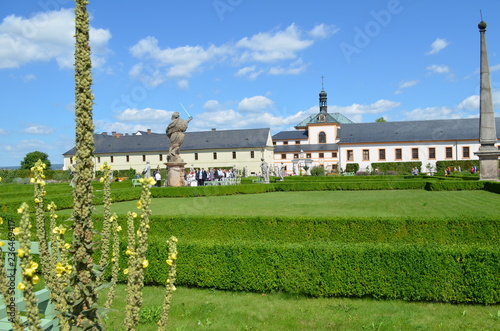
35 279
139 204
129 252
55 230
113 259
49 207
21 286
16 231
32 180
174 288
37 200
62 230
174 239
29 272
101 180
141 180
59 269
145 263
67 246
69 268
118 228
21 252
1 220
0 179
170 262
125 271
2 243
134 215
20 210
173 256
151 181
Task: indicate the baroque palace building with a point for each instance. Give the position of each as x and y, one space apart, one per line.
333 141
329 140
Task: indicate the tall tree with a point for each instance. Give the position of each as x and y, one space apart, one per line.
31 158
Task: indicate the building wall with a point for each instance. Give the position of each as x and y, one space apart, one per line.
329 129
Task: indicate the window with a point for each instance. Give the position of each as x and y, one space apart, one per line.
160 157
449 152
283 156
128 158
381 154
215 155
112 159
98 159
144 158
297 142
432 152
414 153
350 155
308 155
274 143
252 154
296 156
322 137
366 154
466 152
399 154
196 156
321 155
334 154
234 155
285 143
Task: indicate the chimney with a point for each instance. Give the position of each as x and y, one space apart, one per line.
113 133
118 135
149 131
214 129
104 133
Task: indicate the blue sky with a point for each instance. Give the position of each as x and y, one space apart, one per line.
238 64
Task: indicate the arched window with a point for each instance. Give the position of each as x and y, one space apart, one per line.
322 137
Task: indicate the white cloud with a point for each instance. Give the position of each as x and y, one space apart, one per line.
273 46
377 107
431 113
437 46
3 131
322 31
212 105
144 115
470 103
295 68
255 104
250 72
438 69
46 36
38 129
104 126
405 84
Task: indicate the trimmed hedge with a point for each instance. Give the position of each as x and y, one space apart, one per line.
400 167
451 185
459 274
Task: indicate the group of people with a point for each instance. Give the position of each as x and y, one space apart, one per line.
156 173
200 176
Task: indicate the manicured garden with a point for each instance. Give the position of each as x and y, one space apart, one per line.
323 254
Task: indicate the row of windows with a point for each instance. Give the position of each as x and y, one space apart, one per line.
398 153
160 157
321 139
308 155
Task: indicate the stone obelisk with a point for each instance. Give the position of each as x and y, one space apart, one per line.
488 154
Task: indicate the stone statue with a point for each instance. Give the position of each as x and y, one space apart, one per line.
265 171
245 172
175 132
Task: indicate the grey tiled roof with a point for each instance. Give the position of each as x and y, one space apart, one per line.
305 148
435 130
158 142
291 135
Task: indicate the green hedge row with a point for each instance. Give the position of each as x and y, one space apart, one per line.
446 231
493 187
451 185
459 274
400 167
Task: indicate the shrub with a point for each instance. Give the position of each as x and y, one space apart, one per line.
352 167
398 167
318 171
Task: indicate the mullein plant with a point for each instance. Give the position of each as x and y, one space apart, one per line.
170 282
136 251
107 221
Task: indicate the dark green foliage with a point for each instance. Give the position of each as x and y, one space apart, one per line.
318 171
352 167
465 165
454 185
31 158
399 167
492 187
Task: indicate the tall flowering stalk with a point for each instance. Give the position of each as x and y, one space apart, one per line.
83 279
169 286
137 247
107 221
29 269
115 266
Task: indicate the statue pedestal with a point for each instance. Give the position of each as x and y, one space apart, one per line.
488 163
175 174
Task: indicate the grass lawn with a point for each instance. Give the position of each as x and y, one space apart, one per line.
219 310
410 203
